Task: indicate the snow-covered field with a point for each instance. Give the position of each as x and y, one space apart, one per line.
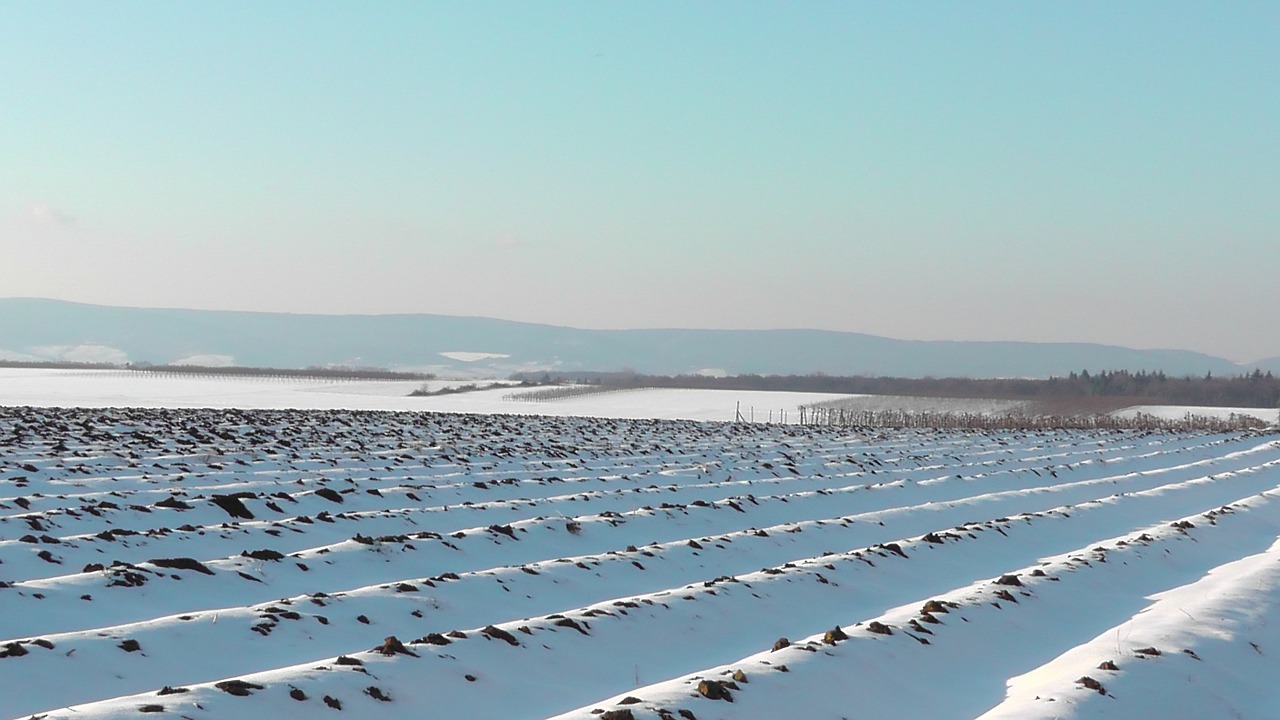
121 388
1177 412
346 558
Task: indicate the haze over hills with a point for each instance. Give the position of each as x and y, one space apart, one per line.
42 329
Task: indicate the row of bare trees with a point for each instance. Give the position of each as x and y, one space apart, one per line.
309 373
562 392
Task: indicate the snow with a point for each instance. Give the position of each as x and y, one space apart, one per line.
122 388
467 356
277 533
1177 412
1217 662
207 360
84 353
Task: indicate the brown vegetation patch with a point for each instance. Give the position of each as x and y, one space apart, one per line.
239 688
1092 684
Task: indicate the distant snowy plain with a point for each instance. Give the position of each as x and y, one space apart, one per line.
271 549
120 388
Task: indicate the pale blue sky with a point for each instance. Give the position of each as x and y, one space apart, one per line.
1086 171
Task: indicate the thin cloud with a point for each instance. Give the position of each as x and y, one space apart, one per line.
46 215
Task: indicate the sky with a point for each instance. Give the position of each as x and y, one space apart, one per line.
1079 172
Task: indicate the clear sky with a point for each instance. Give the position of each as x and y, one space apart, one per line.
1085 171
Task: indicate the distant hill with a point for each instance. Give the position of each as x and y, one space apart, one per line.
1271 365
32 329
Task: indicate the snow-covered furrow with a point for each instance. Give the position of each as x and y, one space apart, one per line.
375 495
951 657
1084 518
549 667
149 534
832 588
1205 649
454 483
40 554
121 595
614 553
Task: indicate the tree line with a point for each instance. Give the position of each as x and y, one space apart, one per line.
1252 390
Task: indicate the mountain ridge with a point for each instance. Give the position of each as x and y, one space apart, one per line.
46 329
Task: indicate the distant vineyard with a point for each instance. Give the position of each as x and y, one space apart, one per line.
1086 413
310 373
918 404
836 416
266 374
